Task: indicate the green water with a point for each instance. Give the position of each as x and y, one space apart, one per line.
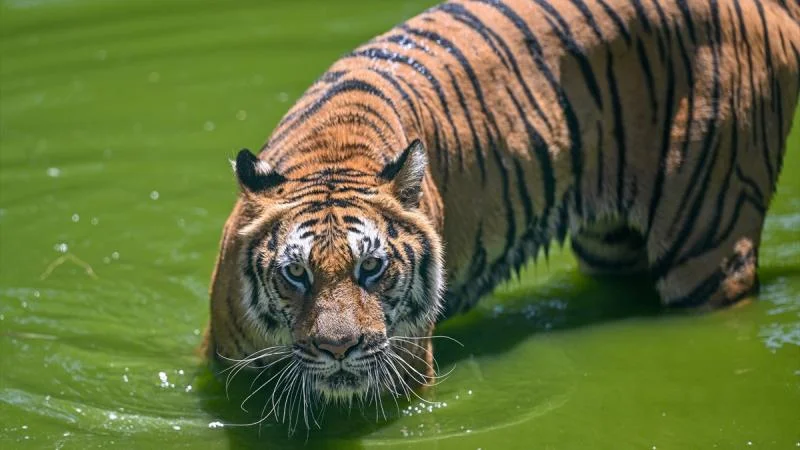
117 119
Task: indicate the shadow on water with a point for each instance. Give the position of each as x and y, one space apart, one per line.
503 320
569 300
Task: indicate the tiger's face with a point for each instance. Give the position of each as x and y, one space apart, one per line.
342 271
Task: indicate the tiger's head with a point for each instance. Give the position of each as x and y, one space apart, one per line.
332 273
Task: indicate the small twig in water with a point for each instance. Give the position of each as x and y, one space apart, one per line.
64 258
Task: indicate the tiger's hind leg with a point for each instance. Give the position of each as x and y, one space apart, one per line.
609 247
716 267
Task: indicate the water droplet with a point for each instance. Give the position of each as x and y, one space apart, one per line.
61 247
115 255
53 172
209 126
112 416
154 77
283 97
36 294
107 260
176 427
76 217
215 424
95 221
125 378
241 114
188 388
66 434
154 195
469 392
180 372
24 427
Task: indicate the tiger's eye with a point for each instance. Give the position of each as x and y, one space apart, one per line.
296 270
370 264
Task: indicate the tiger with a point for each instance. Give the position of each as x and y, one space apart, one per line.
431 163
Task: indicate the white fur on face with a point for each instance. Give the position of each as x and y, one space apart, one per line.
362 242
296 249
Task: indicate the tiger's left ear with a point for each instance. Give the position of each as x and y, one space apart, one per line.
405 174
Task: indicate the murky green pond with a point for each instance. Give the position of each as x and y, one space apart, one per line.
117 119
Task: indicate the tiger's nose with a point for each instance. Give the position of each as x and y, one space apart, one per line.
338 349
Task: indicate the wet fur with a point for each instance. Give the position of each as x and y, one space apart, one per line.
652 132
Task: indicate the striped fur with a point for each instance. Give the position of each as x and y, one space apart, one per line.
650 131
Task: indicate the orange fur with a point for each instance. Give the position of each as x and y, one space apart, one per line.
652 132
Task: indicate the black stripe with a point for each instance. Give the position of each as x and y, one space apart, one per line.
403 94
749 53
425 275
666 133
575 49
458 12
342 87
601 262
664 28
621 27
505 194
712 226
382 54
308 223
687 65
641 15
537 54
648 78
711 126
747 181
667 260
411 256
352 220
687 17
619 128
589 18
600 158
770 76
476 142
452 49
441 148
701 292
539 147
522 192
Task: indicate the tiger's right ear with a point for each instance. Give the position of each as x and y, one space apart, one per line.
405 174
255 176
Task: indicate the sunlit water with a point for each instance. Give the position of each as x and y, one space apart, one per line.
117 122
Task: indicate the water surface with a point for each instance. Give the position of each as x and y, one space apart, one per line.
117 119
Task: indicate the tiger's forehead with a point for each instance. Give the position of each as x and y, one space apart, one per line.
334 241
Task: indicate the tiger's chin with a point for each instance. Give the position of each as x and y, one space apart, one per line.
342 386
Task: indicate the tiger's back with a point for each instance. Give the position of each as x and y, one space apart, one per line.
650 131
